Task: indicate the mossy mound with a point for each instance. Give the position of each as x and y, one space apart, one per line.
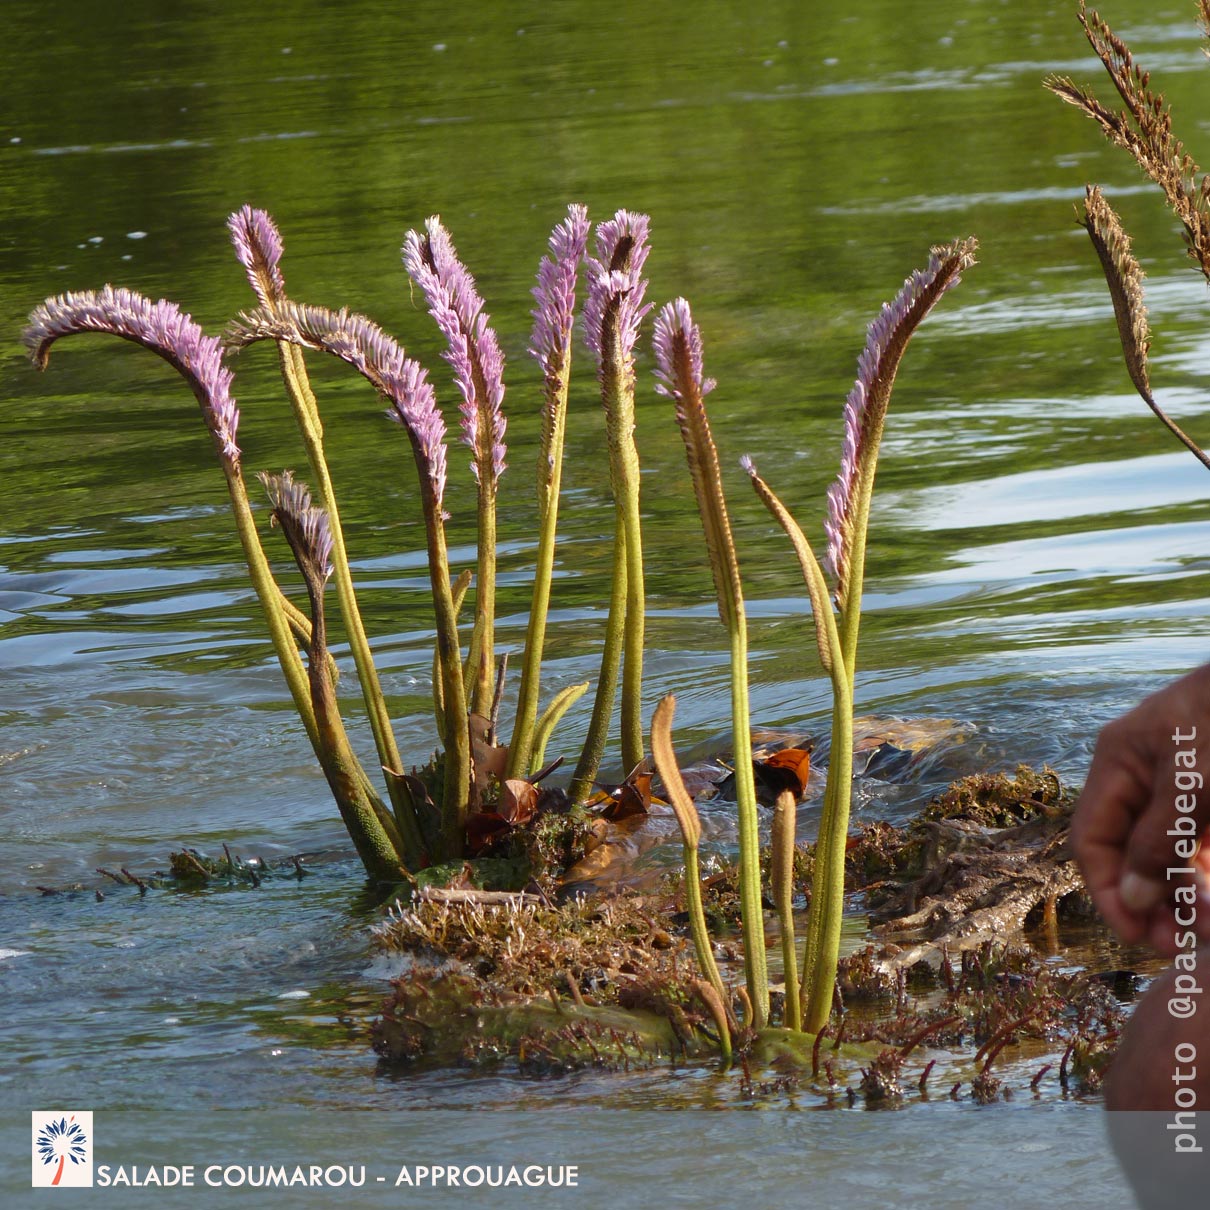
542 987
980 862
602 983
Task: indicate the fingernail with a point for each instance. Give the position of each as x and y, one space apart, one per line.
1139 894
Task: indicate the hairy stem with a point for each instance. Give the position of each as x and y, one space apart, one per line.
306 413
459 590
784 817
755 963
617 394
551 717
624 456
456 793
822 950
482 672
300 627
607 682
633 748
550 476
827 886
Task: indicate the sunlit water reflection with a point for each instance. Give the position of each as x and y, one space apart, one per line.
1040 550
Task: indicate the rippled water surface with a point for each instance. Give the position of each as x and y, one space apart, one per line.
1041 548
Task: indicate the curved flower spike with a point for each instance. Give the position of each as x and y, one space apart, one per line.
376 356
678 355
866 407
159 326
474 351
258 246
1124 276
306 526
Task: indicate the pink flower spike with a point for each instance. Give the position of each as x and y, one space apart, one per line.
555 292
258 248
473 350
376 356
616 285
161 327
675 331
866 406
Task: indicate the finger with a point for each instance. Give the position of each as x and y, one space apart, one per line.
1164 839
1106 815
1130 926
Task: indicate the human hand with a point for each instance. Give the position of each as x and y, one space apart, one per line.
1146 781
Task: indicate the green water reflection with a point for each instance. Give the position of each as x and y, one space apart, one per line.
1041 550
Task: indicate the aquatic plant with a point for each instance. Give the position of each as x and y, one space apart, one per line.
392 842
678 355
1144 130
403 383
613 311
836 631
691 833
555 295
164 329
474 355
259 248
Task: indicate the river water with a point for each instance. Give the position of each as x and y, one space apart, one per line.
1040 552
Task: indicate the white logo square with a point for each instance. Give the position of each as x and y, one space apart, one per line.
62 1149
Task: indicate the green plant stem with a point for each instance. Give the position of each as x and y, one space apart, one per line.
617 394
827 887
551 716
459 590
695 910
607 682
306 412
782 878
300 627
751 911
633 747
550 477
482 673
270 597
374 834
456 792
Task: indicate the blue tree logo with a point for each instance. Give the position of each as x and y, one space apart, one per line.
60 1141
